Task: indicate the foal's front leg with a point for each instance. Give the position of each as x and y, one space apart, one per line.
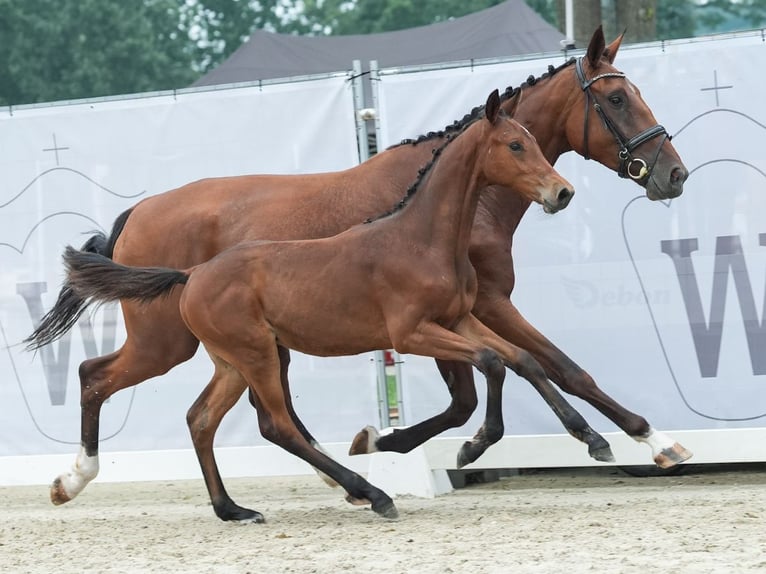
450 347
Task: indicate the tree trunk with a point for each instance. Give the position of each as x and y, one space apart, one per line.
587 17
638 18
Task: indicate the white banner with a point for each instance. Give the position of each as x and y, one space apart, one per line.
70 169
662 302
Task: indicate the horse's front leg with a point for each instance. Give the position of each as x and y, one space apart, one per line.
459 379
503 318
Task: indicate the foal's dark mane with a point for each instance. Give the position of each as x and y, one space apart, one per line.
453 130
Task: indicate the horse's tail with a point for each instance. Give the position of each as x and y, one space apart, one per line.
70 305
97 278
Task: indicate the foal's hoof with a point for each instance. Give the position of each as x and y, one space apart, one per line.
234 513
58 493
672 456
364 441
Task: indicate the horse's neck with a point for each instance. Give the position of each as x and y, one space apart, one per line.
544 109
442 210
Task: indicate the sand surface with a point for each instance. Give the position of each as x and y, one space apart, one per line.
552 521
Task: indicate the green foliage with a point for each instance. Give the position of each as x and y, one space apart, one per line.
67 49
62 49
371 16
675 19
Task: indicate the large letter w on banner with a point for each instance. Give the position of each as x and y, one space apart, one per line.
707 335
56 365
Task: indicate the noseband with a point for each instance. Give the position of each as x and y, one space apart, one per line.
629 166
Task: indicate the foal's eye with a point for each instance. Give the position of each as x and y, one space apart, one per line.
616 100
515 146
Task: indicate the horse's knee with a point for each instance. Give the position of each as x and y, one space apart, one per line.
196 420
526 366
491 365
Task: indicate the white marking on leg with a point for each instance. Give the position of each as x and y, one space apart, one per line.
326 478
372 438
656 440
84 470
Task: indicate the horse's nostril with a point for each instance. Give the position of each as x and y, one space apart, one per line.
678 175
565 194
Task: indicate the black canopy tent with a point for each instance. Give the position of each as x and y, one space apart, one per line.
509 29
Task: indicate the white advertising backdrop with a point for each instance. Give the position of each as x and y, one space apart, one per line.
70 169
662 302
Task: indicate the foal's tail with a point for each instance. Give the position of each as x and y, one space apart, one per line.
70 305
94 277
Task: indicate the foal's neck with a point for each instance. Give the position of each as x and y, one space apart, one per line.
442 210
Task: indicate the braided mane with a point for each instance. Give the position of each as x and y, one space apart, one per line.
453 130
478 112
422 172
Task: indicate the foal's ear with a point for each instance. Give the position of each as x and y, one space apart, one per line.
611 50
596 48
492 107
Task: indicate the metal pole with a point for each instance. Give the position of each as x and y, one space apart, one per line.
361 124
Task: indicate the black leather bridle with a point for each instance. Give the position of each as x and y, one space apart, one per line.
633 167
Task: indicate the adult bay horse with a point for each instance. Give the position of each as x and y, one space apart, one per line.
402 281
191 224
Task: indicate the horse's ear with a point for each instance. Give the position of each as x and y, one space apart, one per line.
510 103
596 48
492 107
611 50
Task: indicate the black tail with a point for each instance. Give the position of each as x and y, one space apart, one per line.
97 278
70 305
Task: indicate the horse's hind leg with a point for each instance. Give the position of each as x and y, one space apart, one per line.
203 419
141 357
459 379
284 364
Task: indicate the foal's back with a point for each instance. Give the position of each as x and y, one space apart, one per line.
355 291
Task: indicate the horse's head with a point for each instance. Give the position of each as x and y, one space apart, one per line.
613 125
514 160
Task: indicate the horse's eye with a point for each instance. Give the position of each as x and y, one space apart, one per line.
615 100
515 146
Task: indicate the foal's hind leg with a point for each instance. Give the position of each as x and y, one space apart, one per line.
143 355
203 419
257 360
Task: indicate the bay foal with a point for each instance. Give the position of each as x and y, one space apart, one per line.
402 281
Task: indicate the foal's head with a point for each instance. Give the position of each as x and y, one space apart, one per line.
514 160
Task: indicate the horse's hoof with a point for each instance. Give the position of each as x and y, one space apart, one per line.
672 456
468 453
387 510
58 493
364 441
601 453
